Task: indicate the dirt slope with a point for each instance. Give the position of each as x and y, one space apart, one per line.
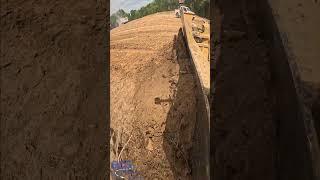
148 61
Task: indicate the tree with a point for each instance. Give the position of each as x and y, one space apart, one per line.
132 15
121 13
113 21
114 18
200 7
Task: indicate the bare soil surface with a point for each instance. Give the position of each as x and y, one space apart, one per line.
53 103
152 97
244 131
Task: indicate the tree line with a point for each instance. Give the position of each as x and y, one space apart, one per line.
200 7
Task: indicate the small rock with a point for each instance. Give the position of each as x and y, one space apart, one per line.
150 145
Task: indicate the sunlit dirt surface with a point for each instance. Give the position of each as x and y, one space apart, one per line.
152 97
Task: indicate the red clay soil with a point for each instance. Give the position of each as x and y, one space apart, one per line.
149 62
53 103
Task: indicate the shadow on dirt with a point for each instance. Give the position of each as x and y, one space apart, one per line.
316 113
182 114
258 129
185 136
312 98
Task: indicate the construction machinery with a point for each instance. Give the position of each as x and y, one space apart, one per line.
197 33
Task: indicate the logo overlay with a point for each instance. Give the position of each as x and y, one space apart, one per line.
124 170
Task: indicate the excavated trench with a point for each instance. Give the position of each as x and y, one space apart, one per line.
258 124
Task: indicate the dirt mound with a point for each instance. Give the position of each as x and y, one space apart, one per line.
152 97
53 105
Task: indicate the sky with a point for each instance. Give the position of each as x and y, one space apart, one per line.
127 5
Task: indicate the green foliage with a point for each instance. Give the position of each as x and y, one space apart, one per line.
200 7
113 21
115 17
154 7
121 13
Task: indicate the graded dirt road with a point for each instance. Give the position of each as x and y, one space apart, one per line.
149 62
